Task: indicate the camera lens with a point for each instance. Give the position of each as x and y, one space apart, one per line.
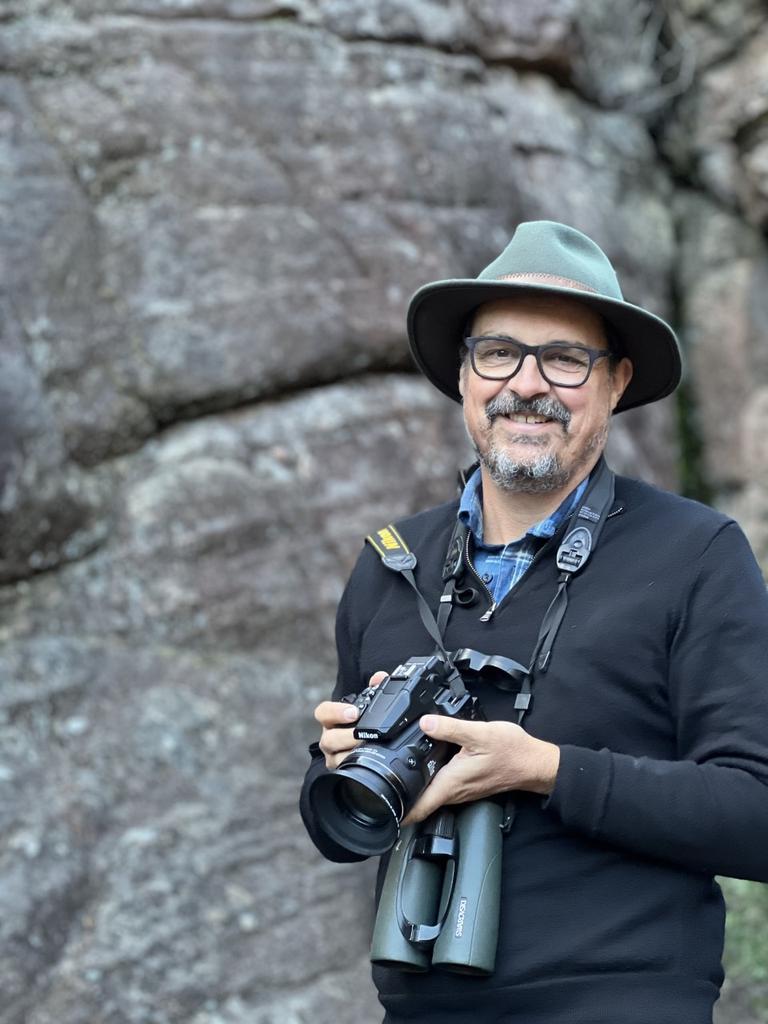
358 808
361 803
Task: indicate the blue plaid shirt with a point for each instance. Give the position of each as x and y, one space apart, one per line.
501 566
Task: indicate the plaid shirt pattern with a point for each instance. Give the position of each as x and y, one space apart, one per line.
501 566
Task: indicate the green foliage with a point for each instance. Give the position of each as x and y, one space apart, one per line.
746 943
693 482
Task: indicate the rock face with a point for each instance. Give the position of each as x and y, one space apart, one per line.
213 215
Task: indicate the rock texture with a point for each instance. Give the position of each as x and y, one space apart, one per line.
213 214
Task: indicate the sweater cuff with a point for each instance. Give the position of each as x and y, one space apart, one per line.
330 849
582 788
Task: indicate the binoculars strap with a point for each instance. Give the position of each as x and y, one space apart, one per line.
584 529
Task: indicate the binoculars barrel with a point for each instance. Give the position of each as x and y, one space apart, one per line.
439 905
413 885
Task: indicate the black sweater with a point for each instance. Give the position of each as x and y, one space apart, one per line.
656 694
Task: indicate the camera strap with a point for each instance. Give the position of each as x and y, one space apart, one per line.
580 540
396 555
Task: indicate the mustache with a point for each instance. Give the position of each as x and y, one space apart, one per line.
507 402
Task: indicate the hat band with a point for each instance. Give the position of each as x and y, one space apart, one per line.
553 279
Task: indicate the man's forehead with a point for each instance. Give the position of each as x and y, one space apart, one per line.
541 310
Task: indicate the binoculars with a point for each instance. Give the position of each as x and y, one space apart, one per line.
439 905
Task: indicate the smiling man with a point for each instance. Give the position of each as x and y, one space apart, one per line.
636 754
539 384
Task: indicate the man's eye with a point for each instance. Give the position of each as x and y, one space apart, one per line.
569 358
498 354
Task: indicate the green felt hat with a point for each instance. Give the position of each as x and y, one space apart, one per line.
550 258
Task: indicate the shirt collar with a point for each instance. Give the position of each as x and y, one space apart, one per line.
471 510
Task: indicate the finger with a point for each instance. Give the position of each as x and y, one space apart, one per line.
338 712
436 795
333 741
332 761
332 713
460 732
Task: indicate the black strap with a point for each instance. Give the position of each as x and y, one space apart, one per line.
587 522
453 564
580 540
581 536
396 555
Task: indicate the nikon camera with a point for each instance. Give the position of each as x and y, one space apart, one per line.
360 805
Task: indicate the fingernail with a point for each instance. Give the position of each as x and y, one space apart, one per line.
350 713
428 722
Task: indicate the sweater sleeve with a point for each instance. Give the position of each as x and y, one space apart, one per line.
347 681
708 809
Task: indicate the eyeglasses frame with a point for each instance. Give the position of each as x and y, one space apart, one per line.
535 351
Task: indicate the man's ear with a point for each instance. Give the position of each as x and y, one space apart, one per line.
462 378
620 378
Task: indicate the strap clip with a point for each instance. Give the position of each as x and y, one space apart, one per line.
400 561
574 550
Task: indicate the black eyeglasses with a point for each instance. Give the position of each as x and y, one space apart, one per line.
560 364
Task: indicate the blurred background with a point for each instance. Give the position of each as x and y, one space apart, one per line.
212 215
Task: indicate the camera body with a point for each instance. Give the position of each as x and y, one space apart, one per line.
360 805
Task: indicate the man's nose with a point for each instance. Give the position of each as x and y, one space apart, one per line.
528 381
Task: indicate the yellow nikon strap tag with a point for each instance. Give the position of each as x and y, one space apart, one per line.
395 554
392 549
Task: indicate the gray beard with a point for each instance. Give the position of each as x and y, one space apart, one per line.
542 473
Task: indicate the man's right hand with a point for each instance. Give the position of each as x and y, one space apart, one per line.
337 718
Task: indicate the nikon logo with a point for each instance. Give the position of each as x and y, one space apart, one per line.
460 918
363 734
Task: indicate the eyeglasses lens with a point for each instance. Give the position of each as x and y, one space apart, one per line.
560 364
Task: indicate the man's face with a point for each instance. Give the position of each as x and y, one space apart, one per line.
531 436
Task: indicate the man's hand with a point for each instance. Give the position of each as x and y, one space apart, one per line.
336 718
494 757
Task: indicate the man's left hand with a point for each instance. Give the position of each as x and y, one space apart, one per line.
494 757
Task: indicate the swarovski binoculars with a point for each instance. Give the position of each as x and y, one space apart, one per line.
439 904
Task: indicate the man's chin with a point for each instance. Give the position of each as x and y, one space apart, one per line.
530 440
534 475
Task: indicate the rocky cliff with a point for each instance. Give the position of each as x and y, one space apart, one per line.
213 214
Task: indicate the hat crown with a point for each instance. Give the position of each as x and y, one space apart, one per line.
545 252
544 258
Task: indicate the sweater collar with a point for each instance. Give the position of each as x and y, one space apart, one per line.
471 510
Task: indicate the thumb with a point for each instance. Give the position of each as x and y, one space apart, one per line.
451 730
377 678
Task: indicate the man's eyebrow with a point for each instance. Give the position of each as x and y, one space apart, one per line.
502 336
498 334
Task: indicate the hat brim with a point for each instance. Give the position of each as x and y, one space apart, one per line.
438 311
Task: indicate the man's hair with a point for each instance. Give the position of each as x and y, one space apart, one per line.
615 344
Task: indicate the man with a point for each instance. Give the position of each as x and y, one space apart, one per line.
642 770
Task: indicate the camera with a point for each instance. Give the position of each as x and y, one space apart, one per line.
360 805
